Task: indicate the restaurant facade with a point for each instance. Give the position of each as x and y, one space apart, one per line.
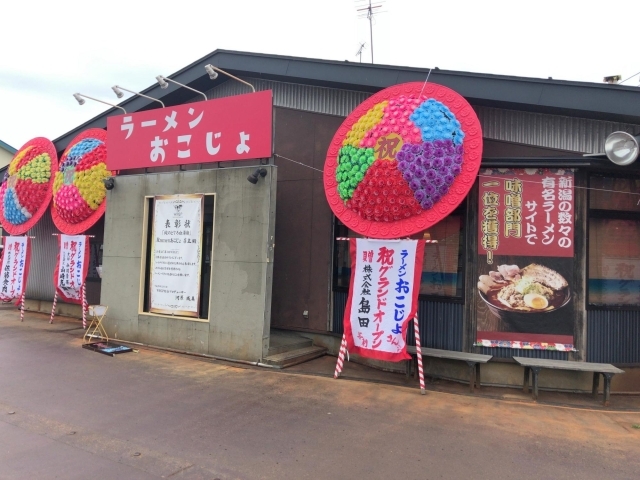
270 256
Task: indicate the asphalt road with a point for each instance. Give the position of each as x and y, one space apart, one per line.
69 413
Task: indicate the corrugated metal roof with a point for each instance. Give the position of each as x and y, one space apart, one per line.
542 130
8 148
557 97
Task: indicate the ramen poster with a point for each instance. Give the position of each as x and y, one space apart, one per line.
525 259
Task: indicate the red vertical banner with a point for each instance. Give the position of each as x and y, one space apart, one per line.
383 296
72 267
16 258
525 258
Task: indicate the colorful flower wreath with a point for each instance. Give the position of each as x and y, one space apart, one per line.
403 160
26 190
79 194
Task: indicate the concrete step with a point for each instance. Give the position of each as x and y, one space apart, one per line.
294 357
283 341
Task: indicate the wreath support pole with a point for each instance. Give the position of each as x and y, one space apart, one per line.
416 329
53 309
340 362
22 307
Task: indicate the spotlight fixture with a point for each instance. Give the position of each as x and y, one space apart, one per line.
255 176
118 91
622 148
162 81
213 74
109 183
210 70
80 98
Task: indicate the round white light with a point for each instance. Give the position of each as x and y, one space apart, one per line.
622 148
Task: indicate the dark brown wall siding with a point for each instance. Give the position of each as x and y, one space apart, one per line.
301 276
302 268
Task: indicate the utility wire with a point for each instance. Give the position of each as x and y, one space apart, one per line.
629 78
502 177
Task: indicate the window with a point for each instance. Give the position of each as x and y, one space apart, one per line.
442 268
614 242
442 273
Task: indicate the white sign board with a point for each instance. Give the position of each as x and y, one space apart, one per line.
176 255
72 267
383 296
15 267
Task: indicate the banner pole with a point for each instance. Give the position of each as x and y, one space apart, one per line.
340 362
84 306
416 329
22 308
53 309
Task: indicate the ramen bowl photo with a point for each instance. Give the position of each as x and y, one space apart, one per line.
529 299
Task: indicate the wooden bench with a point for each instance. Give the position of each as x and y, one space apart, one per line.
474 360
536 364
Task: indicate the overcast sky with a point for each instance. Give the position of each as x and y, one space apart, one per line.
51 49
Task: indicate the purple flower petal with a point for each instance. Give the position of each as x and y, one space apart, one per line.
438 144
438 181
443 189
431 174
414 184
430 189
436 197
455 170
459 149
448 161
438 152
437 163
427 162
402 166
427 203
448 179
407 176
420 195
420 172
400 156
442 171
416 149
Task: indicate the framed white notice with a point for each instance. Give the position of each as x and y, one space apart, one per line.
176 255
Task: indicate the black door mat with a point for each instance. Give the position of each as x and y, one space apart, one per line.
107 348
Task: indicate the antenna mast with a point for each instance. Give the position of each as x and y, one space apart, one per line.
359 52
369 13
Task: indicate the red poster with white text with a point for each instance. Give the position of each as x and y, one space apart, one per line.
230 128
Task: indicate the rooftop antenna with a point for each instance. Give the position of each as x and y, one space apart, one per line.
359 52
368 13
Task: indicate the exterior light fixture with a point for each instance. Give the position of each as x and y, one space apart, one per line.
213 74
118 91
80 98
162 81
255 176
109 183
622 148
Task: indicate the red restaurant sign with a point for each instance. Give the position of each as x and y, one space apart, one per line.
230 128
526 212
